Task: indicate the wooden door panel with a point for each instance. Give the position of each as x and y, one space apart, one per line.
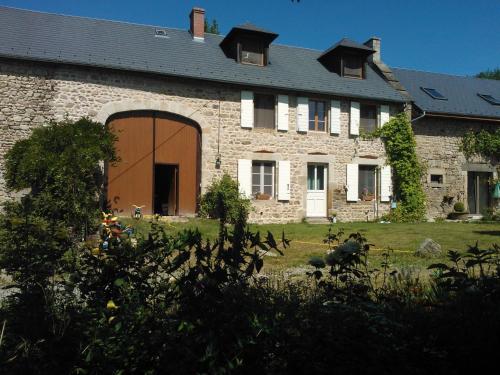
130 181
177 143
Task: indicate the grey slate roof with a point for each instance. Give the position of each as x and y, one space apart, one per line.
125 46
460 91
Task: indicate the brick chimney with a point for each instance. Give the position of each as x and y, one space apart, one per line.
374 44
197 28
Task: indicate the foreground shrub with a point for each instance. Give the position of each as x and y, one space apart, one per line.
179 303
59 166
223 200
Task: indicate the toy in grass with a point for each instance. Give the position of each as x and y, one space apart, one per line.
109 230
137 213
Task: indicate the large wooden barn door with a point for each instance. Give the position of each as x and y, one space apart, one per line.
130 181
177 143
159 166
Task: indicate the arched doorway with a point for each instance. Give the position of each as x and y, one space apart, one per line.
159 165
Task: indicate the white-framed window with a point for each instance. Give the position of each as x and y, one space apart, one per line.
368 117
367 182
317 115
263 179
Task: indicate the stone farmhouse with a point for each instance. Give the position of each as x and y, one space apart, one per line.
285 121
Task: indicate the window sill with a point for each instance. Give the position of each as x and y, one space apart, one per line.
263 201
264 130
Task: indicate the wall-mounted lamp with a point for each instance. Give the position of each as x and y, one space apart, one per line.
217 161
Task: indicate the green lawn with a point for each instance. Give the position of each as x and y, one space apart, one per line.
403 239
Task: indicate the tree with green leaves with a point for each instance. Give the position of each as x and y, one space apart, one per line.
490 74
60 164
212 28
58 168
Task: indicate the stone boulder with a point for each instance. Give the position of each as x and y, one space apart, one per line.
428 249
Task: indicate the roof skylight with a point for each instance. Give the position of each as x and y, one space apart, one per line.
433 93
490 99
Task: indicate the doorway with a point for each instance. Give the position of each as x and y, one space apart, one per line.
316 190
478 192
153 144
166 189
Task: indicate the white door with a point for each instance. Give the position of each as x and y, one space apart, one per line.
316 190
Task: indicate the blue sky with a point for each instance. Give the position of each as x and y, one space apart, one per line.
448 36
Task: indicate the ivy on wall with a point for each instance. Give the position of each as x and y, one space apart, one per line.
400 146
482 143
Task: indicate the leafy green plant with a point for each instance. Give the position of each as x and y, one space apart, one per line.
60 165
346 258
481 143
459 207
400 146
223 200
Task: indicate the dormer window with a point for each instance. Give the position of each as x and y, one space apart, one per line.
346 58
248 45
352 66
251 52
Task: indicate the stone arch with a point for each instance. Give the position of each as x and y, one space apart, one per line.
130 105
110 109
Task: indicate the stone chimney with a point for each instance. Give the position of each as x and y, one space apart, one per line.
374 44
197 28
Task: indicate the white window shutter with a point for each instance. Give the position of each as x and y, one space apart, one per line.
245 177
384 115
352 182
385 183
284 180
355 117
247 109
282 112
302 114
335 117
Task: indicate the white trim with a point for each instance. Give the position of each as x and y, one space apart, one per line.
385 183
352 178
302 114
245 177
335 117
284 180
354 118
384 114
247 109
282 113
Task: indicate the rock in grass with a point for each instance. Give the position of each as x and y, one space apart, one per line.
428 249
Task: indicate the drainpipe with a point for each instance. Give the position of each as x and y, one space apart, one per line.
419 117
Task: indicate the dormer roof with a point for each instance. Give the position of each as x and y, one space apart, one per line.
248 29
347 45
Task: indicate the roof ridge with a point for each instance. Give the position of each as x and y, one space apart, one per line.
445 74
92 18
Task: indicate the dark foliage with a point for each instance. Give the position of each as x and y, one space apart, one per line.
490 74
178 303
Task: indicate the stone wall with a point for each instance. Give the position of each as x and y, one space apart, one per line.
438 142
32 94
